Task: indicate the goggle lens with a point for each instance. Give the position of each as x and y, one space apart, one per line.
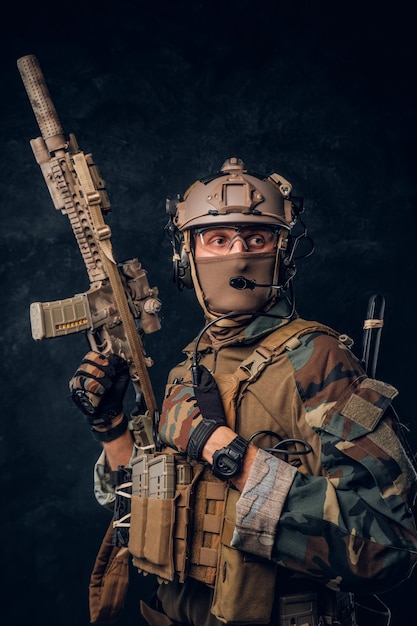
221 239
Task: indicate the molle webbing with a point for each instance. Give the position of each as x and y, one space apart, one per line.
208 517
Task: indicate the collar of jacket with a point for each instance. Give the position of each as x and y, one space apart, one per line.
260 326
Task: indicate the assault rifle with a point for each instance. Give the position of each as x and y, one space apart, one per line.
119 307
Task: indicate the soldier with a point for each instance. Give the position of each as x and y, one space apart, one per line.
302 483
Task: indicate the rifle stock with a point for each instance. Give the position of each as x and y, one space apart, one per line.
119 307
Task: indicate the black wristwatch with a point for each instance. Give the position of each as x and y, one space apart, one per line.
227 462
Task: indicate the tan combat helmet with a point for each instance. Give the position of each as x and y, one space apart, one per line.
233 196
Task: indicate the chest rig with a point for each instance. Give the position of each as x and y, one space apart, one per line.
189 533
285 338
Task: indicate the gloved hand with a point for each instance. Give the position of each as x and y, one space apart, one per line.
98 388
190 414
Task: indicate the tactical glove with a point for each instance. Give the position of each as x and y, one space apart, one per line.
190 414
98 388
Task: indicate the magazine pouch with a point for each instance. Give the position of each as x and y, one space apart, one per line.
161 515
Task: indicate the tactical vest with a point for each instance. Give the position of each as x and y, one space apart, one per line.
189 534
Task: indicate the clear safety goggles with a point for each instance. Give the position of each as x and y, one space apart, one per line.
221 239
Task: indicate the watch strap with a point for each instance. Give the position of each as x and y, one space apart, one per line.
239 444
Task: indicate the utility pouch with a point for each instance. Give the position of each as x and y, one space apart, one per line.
150 541
109 581
239 575
160 517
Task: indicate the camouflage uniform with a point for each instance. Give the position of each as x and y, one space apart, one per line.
338 517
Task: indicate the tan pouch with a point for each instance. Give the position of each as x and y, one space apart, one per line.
245 586
182 530
109 581
151 535
160 530
137 526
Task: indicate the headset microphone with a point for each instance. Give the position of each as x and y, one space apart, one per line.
241 283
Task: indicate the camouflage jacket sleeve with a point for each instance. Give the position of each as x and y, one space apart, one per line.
103 488
351 527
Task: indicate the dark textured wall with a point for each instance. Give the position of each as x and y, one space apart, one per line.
162 93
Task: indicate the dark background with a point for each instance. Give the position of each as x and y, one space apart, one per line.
162 93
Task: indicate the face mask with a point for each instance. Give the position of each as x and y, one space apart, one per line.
214 274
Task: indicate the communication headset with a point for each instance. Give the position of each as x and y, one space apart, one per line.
234 176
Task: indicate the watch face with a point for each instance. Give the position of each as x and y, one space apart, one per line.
227 462
226 465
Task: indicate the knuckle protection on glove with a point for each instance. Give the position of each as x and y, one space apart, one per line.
97 359
94 374
99 385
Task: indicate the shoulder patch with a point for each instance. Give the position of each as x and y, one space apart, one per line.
360 413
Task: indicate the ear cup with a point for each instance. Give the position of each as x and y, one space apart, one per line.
184 270
181 268
287 268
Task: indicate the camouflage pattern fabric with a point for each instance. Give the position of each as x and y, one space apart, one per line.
98 387
350 525
179 416
93 376
339 516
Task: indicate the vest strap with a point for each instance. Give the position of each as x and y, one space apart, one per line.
285 337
